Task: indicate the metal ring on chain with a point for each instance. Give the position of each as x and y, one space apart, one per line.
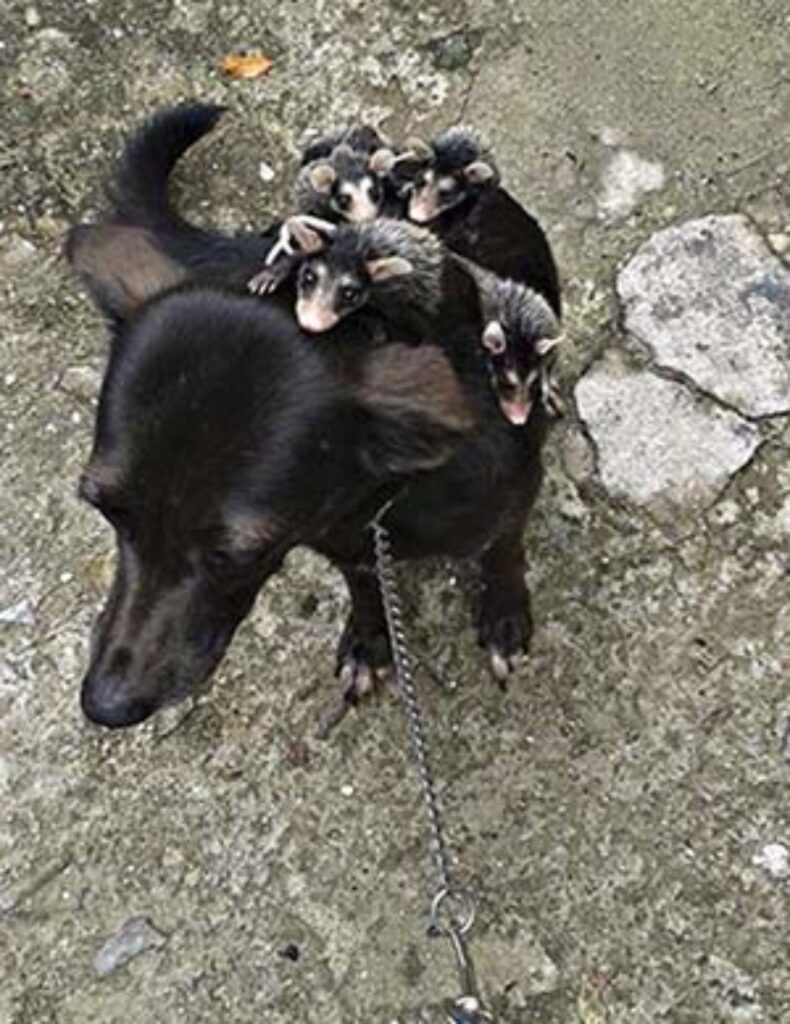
461 921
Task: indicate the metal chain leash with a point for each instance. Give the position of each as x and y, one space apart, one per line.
467 1008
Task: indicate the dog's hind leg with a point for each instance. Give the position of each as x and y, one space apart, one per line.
505 624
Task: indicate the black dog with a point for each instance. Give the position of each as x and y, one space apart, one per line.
225 438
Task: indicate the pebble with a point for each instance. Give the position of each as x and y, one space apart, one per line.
19 614
775 859
133 938
347 790
455 51
626 179
265 172
81 381
32 17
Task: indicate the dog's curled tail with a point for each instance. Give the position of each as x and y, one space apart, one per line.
138 191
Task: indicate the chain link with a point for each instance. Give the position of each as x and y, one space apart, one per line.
404 674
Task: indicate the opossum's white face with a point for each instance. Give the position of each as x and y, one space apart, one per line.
325 296
435 191
331 286
519 366
357 201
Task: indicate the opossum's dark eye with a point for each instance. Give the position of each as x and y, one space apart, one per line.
349 293
308 277
343 201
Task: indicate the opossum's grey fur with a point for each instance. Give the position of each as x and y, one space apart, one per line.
384 237
519 309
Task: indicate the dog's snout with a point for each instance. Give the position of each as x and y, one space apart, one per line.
105 703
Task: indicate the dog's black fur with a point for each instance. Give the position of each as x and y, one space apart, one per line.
225 438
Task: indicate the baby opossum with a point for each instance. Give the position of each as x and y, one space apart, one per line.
455 191
343 177
520 336
450 172
346 177
389 266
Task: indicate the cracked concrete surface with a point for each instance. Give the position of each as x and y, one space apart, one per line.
622 809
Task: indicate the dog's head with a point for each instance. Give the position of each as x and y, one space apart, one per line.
223 440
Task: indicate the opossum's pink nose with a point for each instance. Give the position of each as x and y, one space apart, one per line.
516 409
314 317
422 209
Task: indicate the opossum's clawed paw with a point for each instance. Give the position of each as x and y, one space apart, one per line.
267 281
505 632
362 667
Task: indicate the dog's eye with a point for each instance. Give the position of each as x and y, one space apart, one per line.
227 560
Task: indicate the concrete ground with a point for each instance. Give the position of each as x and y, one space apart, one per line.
623 809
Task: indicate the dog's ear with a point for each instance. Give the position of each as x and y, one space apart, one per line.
121 266
416 411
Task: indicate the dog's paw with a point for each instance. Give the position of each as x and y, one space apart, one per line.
362 667
505 632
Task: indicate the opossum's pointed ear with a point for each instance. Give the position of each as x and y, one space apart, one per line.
416 148
381 161
494 337
545 345
322 177
386 267
479 172
416 411
307 235
121 266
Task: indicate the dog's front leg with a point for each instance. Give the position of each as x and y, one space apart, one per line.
363 654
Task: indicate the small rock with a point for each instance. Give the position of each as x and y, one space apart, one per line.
19 614
455 50
780 242
135 937
16 252
657 445
517 965
297 755
613 137
83 382
577 458
6 774
32 17
347 790
265 172
775 859
626 179
710 300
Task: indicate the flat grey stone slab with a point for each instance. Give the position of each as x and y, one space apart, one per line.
711 301
657 444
